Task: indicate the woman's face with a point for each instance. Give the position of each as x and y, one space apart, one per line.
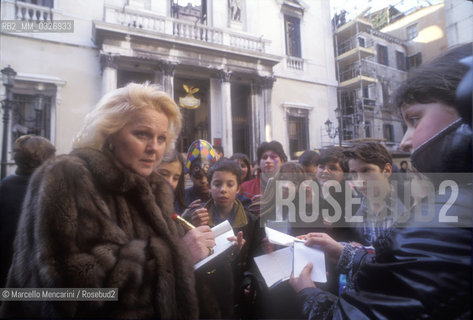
243 168
171 171
140 144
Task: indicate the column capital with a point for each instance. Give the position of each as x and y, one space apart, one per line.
168 68
264 82
224 75
108 60
267 82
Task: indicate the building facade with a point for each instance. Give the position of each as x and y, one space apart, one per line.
458 17
423 29
370 66
259 77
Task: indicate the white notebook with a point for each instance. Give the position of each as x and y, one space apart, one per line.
277 266
280 238
222 231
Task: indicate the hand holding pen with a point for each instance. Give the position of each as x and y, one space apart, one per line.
199 240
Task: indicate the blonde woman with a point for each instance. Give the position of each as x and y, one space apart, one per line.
100 217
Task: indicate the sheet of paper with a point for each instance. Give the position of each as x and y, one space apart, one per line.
222 228
222 231
275 266
304 254
280 238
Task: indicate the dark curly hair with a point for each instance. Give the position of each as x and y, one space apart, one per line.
333 154
225 164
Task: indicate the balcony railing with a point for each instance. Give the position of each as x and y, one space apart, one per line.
30 12
146 20
369 102
357 69
135 18
193 31
295 63
354 42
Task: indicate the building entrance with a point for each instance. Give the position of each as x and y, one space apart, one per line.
195 111
241 119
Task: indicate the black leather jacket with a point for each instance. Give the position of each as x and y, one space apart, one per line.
422 270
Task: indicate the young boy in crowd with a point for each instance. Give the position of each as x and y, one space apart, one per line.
309 160
332 167
422 269
370 170
370 166
225 180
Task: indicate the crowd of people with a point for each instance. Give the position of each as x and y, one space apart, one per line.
102 215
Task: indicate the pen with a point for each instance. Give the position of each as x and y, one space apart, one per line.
188 226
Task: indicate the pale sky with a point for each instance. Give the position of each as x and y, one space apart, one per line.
356 7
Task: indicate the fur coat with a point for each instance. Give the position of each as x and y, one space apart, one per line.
90 223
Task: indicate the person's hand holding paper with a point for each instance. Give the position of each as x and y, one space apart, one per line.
278 265
303 255
331 247
304 280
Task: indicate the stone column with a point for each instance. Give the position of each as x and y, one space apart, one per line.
108 64
257 116
267 96
227 130
264 87
168 70
158 77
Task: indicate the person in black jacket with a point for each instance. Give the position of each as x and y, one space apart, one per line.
421 269
228 281
29 152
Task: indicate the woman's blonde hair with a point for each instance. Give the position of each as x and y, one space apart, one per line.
114 109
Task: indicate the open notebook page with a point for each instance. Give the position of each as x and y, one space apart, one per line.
304 254
275 266
222 231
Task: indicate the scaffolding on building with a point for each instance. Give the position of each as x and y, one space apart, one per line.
363 111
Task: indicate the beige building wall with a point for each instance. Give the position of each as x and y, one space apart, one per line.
75 69
315 87
62 66
459 25
430 24
69 63
307 96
